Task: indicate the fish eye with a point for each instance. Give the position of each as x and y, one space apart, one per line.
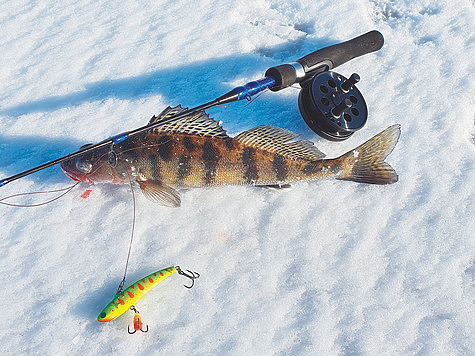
103 315
83 166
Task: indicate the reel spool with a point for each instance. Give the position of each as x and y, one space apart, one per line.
332 106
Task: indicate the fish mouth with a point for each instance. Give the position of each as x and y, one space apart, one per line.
74 176
69 175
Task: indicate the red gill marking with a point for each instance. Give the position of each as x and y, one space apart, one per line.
86 194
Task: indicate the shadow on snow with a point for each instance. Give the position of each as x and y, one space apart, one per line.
189 85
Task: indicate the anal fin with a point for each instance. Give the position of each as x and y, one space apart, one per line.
275 186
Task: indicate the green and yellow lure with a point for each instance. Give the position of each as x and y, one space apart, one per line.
126 299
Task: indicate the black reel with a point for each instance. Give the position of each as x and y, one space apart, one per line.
332 106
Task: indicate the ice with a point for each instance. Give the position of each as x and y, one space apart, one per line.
327 267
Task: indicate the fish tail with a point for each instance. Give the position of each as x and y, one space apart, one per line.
365 164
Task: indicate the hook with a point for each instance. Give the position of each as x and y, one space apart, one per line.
137 322
191 275
133 332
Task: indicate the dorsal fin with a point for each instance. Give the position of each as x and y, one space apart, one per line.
197 123
166 113
278 140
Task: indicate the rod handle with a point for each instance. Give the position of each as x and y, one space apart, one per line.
343 52
324 59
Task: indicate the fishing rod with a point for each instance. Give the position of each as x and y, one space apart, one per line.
330 104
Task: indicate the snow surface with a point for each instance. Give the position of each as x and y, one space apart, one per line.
327 267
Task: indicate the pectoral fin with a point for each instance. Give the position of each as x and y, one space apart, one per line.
161 194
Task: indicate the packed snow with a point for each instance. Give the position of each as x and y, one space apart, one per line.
326 267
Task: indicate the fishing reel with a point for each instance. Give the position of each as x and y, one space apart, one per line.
332 106
330 103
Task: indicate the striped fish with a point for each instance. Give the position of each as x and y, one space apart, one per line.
195 151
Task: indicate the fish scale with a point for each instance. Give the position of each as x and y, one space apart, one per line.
212 162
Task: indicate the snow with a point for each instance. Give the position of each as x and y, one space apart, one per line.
326 267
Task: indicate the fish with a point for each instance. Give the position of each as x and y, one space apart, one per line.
131 295
195 151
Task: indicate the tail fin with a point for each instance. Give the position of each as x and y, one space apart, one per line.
365 163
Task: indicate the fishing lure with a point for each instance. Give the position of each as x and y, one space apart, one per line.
127 298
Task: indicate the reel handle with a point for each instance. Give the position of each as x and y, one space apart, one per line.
324 59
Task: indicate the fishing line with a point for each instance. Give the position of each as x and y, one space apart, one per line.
122 283
295 87
65 190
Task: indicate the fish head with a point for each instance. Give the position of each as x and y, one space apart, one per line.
95 166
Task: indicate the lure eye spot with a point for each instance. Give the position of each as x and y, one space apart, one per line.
103 315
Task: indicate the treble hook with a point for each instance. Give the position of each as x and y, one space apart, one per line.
137 322
191 275
133 332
